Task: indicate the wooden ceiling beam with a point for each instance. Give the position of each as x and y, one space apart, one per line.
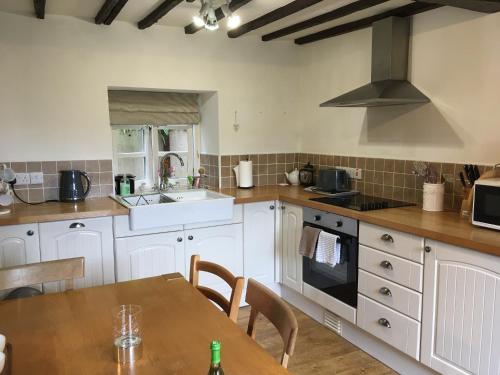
115 11
233 6
39 8
159 12
105 10
404 11
326 17
483 6
273 16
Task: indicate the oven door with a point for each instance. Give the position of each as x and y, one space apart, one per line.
486 210
339 281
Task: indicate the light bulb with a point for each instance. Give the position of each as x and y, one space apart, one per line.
233 21
198 21
212 26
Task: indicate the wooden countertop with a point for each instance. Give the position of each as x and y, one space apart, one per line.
448 227
56 211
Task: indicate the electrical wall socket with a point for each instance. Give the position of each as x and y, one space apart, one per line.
354 173
36 178
22 178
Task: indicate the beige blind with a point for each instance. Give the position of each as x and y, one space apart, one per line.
152 108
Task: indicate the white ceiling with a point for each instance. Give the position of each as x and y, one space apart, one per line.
181 16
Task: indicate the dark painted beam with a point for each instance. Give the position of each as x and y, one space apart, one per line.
105 10
39 8
326 17
483 6
404 11
233 6
116 10
273 16
159 12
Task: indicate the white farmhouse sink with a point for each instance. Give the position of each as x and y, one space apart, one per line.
180 207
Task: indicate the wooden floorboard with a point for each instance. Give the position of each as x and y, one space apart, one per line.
318 351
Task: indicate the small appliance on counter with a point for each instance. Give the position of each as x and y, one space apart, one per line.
332 182
118 180
486 203
244 174
71 187
306 175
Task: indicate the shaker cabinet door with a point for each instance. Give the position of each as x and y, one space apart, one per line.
291 259
461 311
151 255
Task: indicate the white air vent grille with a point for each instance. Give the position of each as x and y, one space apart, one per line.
333 322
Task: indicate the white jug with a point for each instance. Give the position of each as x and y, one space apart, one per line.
244 174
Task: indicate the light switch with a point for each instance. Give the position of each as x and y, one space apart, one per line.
36 178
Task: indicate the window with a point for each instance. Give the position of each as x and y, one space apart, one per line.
138 150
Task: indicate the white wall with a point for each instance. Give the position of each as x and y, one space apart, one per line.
455 61
54 75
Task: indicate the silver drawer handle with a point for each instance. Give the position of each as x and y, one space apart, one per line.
386 264
387 238
385 291
77 225
384 322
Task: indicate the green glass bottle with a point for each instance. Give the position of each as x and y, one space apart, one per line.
215 366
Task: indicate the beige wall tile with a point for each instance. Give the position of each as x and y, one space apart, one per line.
92 166
78 164
105 166
49 167
19 167
63 165
34 166
35 195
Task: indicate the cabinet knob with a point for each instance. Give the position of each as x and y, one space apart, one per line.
77 225
428 249
384 322
385 291
387 238
317 217
386 264
30 233
190 238
339 224
179 239
271 207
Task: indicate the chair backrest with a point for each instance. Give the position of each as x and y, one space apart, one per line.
44 272
231 307
263 300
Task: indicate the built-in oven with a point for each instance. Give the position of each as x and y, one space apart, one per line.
340 280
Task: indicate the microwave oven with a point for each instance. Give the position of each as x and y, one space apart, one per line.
486 204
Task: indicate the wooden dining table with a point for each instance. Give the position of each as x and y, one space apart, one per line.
71 332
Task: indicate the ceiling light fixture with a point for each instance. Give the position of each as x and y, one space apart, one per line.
207 17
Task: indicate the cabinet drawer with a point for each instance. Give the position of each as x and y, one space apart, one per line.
398 270
398 243
395 296
401 332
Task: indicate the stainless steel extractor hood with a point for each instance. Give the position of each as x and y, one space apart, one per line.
389 85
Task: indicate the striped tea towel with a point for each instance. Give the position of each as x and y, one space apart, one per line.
328 249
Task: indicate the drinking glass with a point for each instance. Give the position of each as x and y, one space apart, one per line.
127 321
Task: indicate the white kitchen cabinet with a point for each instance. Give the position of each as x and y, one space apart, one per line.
291 259
88 238
258 241
461 311
148 256
19 245
222 245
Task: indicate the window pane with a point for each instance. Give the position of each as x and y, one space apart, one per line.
135 166
173 140
172 161
129 140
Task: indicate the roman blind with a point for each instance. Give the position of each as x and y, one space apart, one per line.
152 108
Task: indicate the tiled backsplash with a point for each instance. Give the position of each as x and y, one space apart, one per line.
268 169
388 178
99 171
211 165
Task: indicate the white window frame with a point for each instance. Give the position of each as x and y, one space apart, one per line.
152 151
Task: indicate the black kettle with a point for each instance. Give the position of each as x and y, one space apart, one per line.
71 186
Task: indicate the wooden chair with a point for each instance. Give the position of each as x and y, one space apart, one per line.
44 272
263 300
231 307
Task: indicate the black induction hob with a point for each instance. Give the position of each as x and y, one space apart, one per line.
362 202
